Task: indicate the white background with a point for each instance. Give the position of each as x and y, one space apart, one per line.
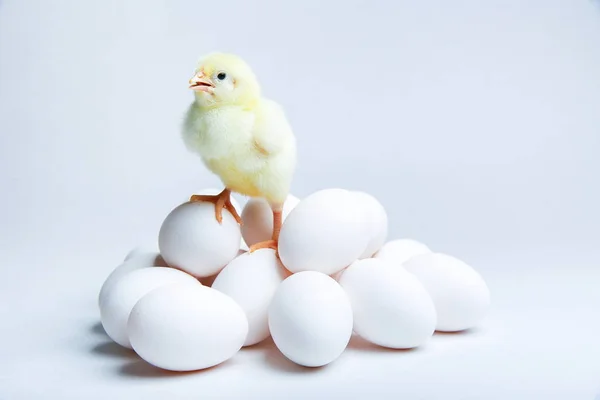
476 123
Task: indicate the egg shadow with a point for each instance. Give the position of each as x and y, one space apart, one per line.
142 369
359 344
276 361
457 334
98 329
112 349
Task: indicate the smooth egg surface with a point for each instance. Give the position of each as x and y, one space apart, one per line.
140 251
401 250
310 319
136 259
209 280
325 232
234 202
122 296
192 240
257 219
391 308
183 327
251 280
460 294
376 223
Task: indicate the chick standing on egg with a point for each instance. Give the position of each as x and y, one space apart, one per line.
241 136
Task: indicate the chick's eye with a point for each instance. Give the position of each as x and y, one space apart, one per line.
221 76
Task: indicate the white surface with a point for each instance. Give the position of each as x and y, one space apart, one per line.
134 260
251 279
119 299
186 327
191 239
474 122
310 319
145 253
391 307
399 251
376 225
257 218
460 294
540 340
331 223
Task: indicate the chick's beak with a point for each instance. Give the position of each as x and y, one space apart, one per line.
201 83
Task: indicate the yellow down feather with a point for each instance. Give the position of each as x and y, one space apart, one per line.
241 136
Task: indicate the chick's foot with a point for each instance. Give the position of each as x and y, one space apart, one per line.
267 244
221 201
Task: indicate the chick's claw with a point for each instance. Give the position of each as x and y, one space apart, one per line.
205 197
233 212
221 201
267 244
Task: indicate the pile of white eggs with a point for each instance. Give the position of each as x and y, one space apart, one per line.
202 297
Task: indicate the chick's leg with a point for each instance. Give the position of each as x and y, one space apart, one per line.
270 244
276 225
221 201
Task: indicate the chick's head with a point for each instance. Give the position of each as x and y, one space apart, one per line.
224 79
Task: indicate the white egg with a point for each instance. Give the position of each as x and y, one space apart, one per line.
376 223
391 307
136 259
236 205
325 232
310 319
257 218
251 280
192 239
209 280
401 250
145 256
460 294
139 251
183 327
122 296
215 191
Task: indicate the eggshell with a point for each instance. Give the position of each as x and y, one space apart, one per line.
251 280
376 223
234 202
391 307
192 239
401 250
460 294
209 280
122 296
257 218
136 259
183 327
140 251
310 319
325 232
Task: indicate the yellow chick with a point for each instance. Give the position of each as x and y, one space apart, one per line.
241 136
